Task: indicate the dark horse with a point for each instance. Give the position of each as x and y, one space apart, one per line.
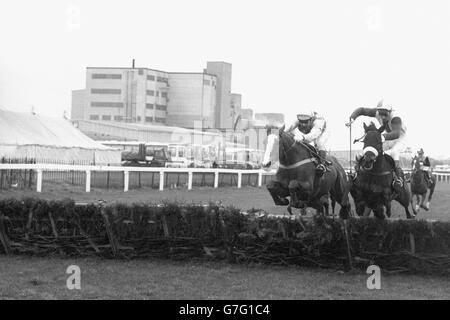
419 188
297 177
372 187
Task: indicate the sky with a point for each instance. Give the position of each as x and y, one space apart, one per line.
287 56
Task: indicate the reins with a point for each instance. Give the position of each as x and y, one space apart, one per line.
301 162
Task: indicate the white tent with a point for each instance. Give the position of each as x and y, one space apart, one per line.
26 135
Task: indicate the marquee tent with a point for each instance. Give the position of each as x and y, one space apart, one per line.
50 140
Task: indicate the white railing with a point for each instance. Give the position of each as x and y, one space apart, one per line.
40 168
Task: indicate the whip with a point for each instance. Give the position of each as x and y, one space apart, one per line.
350 127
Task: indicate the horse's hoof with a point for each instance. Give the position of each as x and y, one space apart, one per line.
425 207
289 209
282 202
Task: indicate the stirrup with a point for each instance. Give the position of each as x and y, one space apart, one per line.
321 168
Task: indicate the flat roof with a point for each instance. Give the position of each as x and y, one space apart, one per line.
147 127
129 68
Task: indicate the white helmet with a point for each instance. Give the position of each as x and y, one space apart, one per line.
306 116
384 106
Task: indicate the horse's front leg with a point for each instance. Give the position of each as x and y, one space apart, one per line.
278 193
378 211
388 209
422 203
366 211
417 205
294 189
322 205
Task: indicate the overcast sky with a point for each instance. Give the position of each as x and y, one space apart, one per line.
287 56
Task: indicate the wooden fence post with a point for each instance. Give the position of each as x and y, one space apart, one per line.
412 243
348 246
239 183
161 180
39 181
216 179
126 180
259 179
3 236
88 181
190 174
109 231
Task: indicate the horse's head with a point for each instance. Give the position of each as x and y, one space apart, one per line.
271 154
417 173
373 146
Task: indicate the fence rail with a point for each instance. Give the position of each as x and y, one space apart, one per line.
117 175
87 176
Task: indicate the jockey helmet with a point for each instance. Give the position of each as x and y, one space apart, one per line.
420 152
305 117
382 106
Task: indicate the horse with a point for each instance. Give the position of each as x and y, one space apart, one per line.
419 188
371 189
297 178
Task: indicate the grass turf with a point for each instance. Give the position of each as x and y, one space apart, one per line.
45 278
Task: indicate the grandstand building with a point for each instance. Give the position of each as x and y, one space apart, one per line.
149 96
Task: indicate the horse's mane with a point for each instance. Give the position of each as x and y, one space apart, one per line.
371 127
290 137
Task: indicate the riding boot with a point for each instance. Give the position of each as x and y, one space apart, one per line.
323 162
398 177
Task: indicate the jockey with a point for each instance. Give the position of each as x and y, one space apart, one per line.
392 137
424 163
312 128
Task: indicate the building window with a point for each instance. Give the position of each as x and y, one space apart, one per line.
149 105
148 119
161 107
93 117
206 82
106 76
106 118
150 92
160 120
105 91
151 78
164 94
138 118
141 72
107 104
162 79
117 118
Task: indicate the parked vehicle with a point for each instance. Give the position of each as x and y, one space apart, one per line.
135 153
